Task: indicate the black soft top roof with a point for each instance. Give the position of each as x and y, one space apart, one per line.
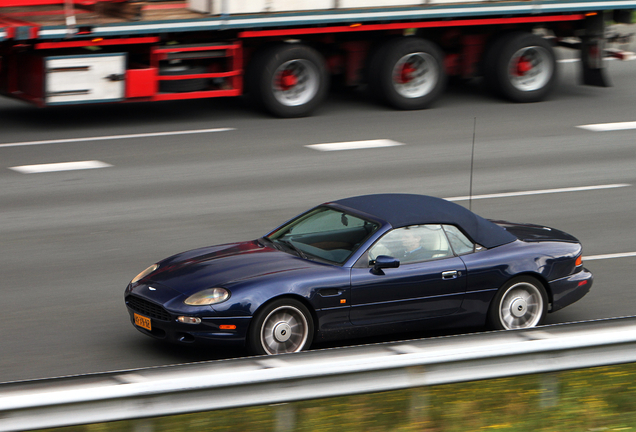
401 210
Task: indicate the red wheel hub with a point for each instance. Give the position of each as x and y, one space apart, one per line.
407 72
523 66
287 80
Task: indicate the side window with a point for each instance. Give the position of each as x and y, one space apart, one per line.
461 244
413 244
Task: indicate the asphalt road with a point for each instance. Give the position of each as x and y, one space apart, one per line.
72 240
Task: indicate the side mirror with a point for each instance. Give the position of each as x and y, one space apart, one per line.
382 262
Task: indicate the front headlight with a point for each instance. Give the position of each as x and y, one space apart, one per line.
208 297
144 273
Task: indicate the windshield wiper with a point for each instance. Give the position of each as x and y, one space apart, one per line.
292 247
264 241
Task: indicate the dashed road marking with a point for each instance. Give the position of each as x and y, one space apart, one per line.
607 127
609 256
539 192
115 137
354 145
64 166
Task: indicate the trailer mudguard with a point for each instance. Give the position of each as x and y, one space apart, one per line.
592 51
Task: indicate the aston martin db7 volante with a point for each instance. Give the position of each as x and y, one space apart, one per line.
359 266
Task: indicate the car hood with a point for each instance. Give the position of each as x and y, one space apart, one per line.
224 266
536 233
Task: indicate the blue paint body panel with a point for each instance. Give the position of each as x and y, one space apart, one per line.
350 299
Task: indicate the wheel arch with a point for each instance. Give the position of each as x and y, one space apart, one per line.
305 302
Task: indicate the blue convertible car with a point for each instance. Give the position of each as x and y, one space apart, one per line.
358 266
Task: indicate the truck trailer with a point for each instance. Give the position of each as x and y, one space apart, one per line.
284 53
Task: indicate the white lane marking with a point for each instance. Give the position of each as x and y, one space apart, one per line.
609 256
628 57
539 192
605 127
54 167
115 137
354 145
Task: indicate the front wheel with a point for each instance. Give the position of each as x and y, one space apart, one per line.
283 326
521 303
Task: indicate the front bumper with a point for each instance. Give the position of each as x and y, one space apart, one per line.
570 289
165 326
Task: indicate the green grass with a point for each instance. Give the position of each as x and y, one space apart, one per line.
597 399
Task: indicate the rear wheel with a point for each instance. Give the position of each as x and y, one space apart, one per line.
283 326
407 73
288 80
520 67
521 303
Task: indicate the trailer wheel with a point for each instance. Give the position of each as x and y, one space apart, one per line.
520 67
407 73
288 80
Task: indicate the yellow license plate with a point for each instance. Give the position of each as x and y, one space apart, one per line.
143 322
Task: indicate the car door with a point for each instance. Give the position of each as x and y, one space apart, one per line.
430 281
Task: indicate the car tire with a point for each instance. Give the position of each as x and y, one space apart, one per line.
283 326
407 73
520 67
521 303
287 80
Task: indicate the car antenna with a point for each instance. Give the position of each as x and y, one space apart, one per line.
472 160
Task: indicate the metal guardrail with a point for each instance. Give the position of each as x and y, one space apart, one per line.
315 374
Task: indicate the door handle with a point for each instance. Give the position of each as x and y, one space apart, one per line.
451 274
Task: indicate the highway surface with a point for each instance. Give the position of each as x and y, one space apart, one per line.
71 240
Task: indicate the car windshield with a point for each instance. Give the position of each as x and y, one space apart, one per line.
324 233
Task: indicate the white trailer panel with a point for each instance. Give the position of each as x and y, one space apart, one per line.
232 7
85 78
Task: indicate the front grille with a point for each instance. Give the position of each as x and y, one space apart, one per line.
147 308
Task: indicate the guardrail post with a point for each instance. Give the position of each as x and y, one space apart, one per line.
420 401
143 425
285 417
549 386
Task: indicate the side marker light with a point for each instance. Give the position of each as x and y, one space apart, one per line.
227 327
343 301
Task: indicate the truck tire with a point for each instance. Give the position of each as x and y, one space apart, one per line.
287 80
186 85
520 67
407 73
